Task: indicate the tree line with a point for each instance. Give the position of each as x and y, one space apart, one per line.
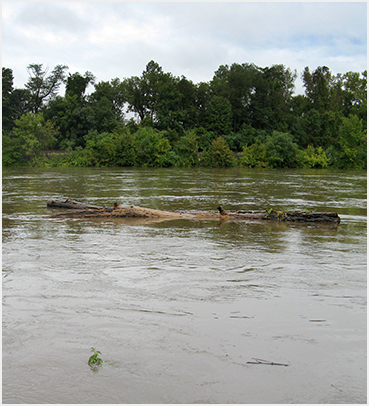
246 115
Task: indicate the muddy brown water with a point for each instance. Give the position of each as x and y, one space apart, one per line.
178 308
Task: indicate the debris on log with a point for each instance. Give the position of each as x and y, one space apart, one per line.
82 210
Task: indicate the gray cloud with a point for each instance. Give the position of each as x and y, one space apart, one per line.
191 39
51 16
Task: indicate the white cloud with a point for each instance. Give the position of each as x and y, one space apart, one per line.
192 39
115 31
47 37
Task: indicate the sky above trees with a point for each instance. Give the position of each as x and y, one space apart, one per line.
191 39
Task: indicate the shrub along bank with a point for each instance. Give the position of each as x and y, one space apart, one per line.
148 147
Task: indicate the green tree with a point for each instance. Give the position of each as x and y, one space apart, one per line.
142 93
313 157
246 135
219 116
111 149
20 101
35 133
312 125
160 100
76 84
187 149
152 148
318 86
166 110
73 117
281 150
15 102
258 96
270 103
187 103
355 95
114 93
104 119
7 108
332 97
331 120
205 138
152 80
254 156
43 87
218 155
352 143
236 83
203 96
11 150
135 97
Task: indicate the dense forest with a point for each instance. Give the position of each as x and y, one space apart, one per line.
246 116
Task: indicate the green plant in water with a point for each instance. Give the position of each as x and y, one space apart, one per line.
311 210
94 359
280 215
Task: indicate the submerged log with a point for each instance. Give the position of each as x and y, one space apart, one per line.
87 211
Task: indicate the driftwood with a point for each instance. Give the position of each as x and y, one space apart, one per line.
88 211
259 361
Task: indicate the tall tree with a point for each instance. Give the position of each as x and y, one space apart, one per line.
271 101
73 118
7 90
35 133
152 80
135 97
154 96
114 94
219 116
42 86
355 94
187 104
203 96
318 86
15 102
77 84
237 84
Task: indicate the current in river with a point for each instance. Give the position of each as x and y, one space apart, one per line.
184 311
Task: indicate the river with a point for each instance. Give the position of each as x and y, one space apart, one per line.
179 309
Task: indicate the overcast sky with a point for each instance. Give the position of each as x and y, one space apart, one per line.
191 39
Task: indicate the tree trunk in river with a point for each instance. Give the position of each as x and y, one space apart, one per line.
88 211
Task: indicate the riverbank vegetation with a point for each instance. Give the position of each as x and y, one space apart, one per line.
246 115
